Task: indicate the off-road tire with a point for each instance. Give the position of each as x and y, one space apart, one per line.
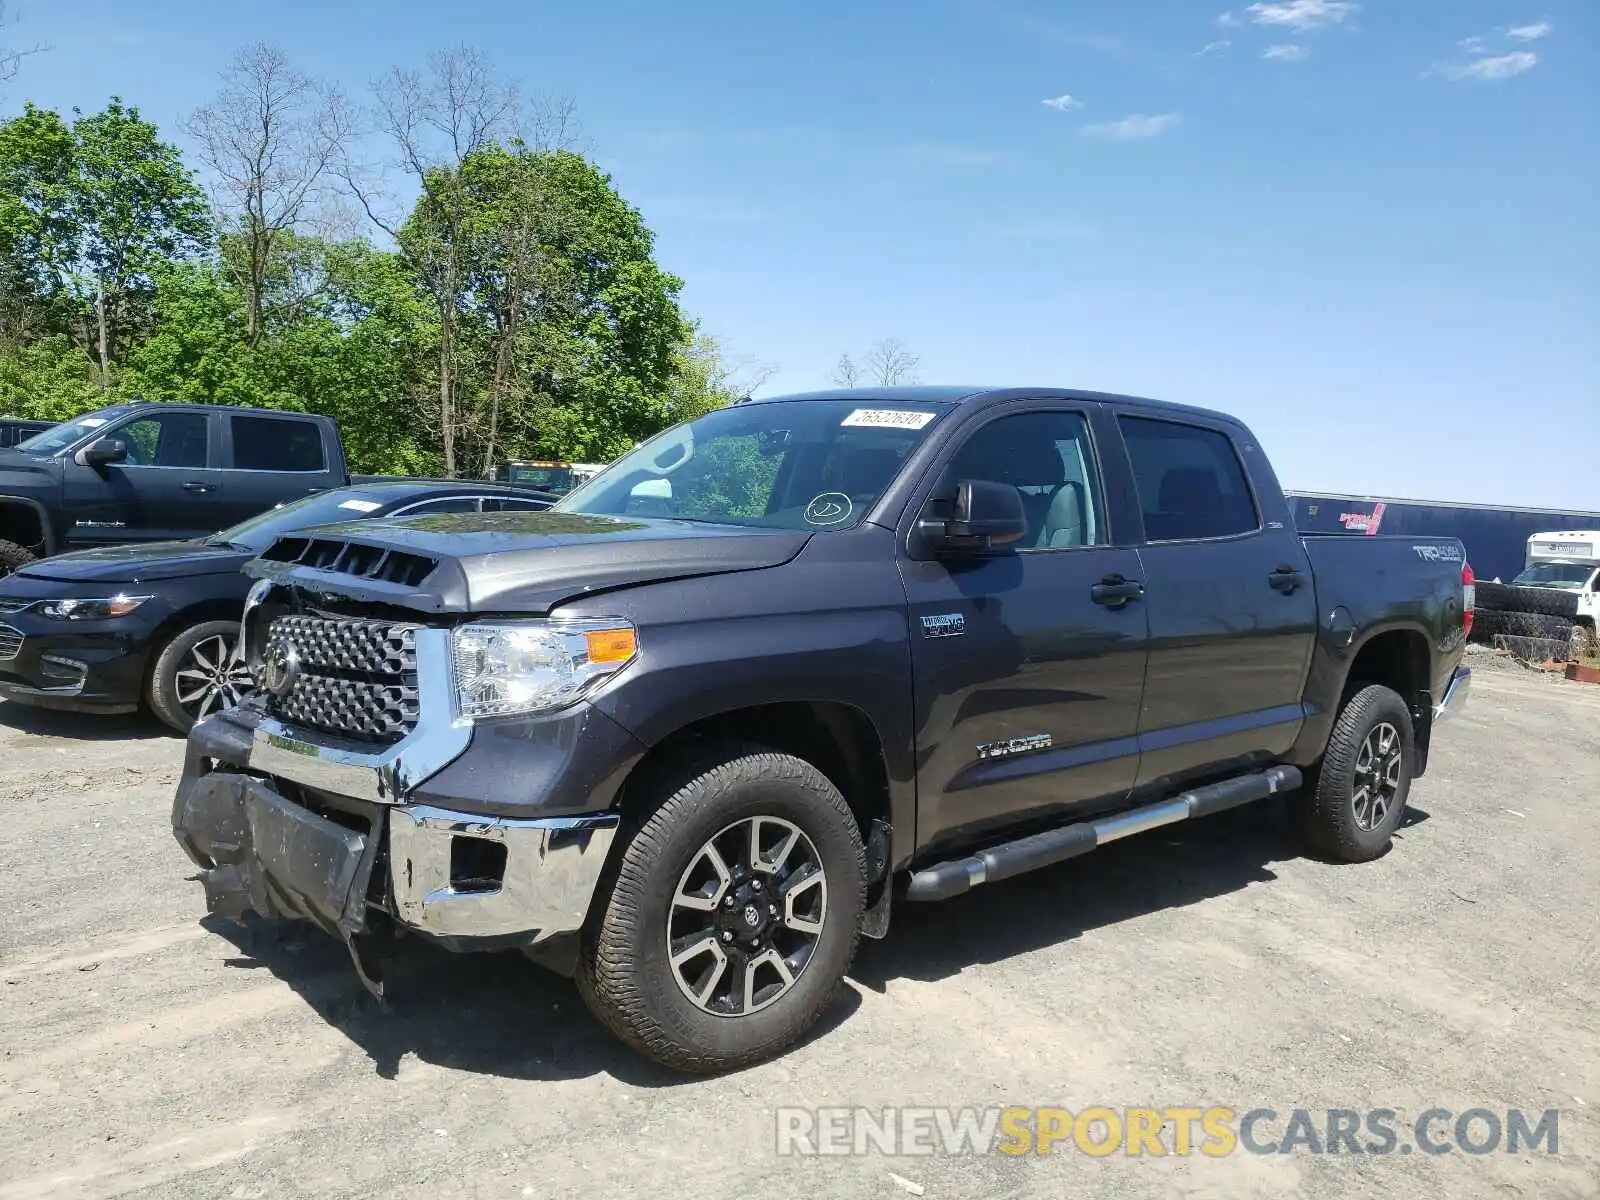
1551 602
1486 624
1489 596
162 685
1328 819
625 973
1536 625
14 557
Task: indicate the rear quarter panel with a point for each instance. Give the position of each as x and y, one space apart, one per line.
1370 586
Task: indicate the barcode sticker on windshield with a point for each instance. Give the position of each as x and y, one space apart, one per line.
888 418
360 505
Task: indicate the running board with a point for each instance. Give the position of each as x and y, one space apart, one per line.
946 879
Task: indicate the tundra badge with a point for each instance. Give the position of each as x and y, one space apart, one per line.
1016 745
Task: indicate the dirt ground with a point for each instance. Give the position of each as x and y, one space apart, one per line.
146 1051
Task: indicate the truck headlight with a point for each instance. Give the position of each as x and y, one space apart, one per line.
91 610
537 665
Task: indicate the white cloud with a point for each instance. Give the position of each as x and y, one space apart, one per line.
1530 33
1228 21
1062 103
1303 15
1221 46
1288 52
1473 45
1133 128
1494 67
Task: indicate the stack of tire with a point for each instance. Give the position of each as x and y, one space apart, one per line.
1528 612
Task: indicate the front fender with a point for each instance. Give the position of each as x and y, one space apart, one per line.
18 515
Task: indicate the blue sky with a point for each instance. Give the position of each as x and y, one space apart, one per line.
1368 229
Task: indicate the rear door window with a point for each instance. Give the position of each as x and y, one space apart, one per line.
277 444
1191 483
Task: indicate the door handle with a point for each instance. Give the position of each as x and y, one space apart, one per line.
1114 591
199 487
1286 579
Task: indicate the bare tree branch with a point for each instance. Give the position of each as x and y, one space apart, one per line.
10 56
845 372
892 363
272 139
435 121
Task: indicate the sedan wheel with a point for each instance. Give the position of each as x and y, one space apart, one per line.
195 675
209 679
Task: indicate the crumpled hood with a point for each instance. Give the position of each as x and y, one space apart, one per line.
138 562
520 562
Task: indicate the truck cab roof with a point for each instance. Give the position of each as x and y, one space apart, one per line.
947 395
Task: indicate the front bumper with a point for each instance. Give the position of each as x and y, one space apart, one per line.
282 847
55 664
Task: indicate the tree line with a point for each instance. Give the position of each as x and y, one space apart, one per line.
438 265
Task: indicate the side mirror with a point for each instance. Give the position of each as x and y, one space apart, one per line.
101 451
984 515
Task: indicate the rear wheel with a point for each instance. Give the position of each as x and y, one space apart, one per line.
1358 796
196 675
733 914
14 557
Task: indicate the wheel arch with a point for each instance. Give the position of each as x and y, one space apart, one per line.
1401 659
25 521
839 739
216 608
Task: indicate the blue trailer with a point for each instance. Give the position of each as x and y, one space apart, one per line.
1495 535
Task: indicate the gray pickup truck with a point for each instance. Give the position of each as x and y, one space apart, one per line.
694 731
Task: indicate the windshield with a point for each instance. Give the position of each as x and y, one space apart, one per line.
1556 575
53 441
795 464
323 508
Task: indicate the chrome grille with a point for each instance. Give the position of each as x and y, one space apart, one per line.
357 678
10 643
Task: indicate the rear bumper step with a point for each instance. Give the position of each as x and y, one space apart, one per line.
946 879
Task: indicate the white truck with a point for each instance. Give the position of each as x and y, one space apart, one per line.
1567 561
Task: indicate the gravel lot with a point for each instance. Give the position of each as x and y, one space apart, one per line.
146 1051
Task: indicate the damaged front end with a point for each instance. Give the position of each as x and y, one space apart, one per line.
259 851
302 803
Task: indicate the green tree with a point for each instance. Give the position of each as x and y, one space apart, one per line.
88 216
569 333
348 335
138 209
39 223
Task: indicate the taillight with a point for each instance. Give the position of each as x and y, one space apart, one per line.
1469 596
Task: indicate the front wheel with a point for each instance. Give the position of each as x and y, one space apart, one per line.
733 914
196 674
1358 797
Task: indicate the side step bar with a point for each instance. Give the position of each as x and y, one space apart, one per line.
946 879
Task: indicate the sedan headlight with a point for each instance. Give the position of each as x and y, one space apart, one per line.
535 666
91 610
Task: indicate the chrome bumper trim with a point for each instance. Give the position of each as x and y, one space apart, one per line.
382 776
552 869
1455 695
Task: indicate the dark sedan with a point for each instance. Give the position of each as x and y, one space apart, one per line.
111 629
